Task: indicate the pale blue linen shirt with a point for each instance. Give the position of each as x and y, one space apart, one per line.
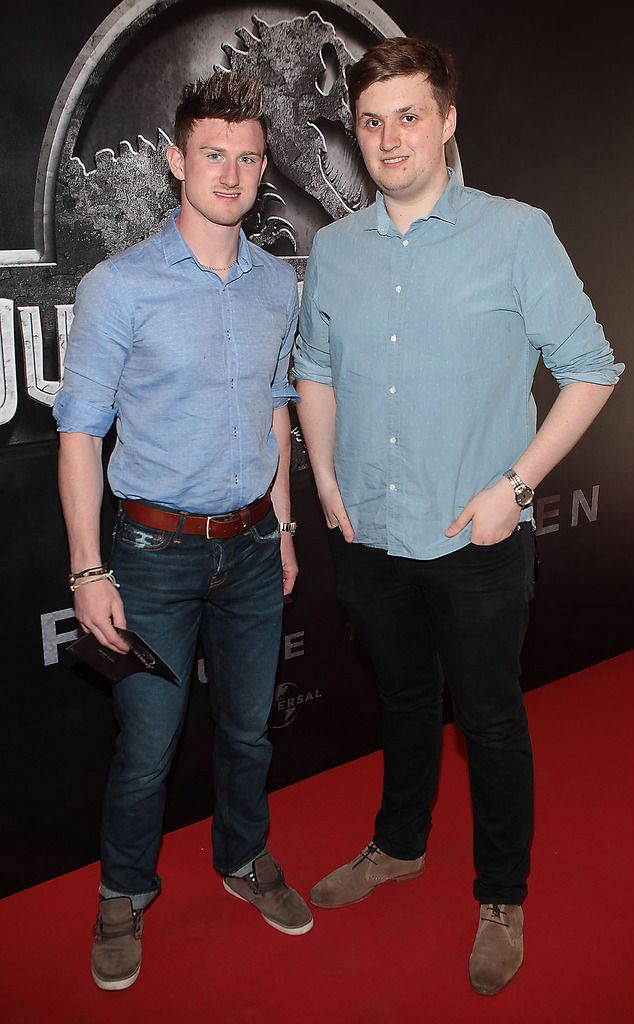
190 367
430 341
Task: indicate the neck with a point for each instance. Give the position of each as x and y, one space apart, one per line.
213 245
403 211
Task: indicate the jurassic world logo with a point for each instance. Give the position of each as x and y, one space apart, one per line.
96 195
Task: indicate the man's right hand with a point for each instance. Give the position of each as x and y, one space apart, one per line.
99 609
335 511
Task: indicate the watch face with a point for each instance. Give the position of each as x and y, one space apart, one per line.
524 496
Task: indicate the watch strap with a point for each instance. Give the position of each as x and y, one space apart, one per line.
514 478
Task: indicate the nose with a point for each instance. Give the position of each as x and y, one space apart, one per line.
230 175
390 137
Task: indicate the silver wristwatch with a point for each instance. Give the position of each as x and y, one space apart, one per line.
523 493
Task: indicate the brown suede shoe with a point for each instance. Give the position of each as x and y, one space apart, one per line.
116 950
265 889
498 949
354 881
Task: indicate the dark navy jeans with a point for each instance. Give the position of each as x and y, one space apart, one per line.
173 587
461 617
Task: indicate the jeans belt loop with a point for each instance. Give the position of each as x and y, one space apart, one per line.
180 528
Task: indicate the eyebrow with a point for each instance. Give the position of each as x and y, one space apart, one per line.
221 149
399 110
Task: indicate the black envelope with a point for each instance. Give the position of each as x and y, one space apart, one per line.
140 658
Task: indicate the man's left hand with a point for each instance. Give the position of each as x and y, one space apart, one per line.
289 562
493 514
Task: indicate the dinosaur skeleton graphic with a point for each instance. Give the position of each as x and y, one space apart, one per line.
301 65
312 142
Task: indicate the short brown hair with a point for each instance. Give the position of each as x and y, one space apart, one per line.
405 56
227 95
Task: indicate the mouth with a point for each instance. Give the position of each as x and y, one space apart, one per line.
227 195
393 161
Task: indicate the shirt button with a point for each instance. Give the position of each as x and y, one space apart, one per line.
392 337
392 390
392 487
398 289
392 440
405 242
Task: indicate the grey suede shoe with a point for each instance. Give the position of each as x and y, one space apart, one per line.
498 949
265 889
354 881
116 950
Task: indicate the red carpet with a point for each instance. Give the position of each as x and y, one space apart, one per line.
402 955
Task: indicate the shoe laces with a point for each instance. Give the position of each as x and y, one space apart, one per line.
132 927
367 854
495 914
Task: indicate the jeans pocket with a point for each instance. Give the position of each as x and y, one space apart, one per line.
267 530
499 543
142 538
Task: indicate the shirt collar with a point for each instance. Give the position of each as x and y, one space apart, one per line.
176 248
446 208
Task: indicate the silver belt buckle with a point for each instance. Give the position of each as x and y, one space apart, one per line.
209 519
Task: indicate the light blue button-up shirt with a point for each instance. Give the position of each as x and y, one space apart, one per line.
190 367
430 341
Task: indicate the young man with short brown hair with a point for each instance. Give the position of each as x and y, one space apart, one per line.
183 341
420 425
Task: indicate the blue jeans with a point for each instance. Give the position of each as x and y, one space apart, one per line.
173 587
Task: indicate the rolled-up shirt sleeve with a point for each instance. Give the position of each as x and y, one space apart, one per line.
282 390
311 356
559 318
98 347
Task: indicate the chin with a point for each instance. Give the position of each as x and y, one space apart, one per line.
394 189
227 219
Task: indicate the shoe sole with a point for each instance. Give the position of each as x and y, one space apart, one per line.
115 986
274 924
484 991
350 903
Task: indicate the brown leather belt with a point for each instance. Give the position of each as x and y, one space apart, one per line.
218 527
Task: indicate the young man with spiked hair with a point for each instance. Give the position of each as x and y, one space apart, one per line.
420 426
183 341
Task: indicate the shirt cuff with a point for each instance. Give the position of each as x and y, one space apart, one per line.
76 417
283 394
608 377
321 375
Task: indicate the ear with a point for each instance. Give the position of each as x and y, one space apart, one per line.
263 167
450 124
176 161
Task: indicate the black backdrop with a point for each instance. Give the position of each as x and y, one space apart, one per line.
544 116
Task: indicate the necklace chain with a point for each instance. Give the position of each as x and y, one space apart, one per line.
205 267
